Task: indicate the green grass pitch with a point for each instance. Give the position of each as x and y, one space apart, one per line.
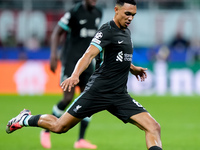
178 117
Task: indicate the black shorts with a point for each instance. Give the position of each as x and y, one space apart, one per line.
120 105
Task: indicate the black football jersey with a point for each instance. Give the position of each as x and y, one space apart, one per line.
81 25
115 58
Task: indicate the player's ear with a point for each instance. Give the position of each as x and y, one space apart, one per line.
116 9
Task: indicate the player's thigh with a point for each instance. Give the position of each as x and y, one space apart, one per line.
144 121
86 105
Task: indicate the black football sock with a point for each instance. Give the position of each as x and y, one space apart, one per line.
58 110
155 148
83 126
33 121
61 106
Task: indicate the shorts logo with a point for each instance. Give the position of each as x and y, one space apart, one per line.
119 56
77 108
99 35
120 42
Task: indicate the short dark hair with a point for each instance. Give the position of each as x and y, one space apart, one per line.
121 2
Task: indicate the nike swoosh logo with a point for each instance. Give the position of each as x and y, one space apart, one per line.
120 42
83 21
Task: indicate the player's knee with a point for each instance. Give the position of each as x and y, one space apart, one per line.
56 127
59 128
155 128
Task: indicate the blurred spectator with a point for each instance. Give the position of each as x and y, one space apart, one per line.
22 53
179 43
33 43
10 40
179 47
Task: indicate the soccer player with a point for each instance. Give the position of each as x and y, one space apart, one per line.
107 87
80 24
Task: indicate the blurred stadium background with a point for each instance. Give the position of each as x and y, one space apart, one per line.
165 34
166 38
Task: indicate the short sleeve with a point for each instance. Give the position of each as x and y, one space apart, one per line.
64 21
102 37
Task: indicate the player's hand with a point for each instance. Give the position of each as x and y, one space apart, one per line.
139 72
69 83
53 63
